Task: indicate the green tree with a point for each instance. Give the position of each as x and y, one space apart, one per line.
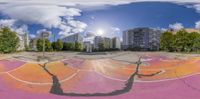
58 45
67 46
181 41
196 44
9 41
192 40
101 46
48 46
78 46
166 41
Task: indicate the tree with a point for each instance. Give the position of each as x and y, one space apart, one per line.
181 41
101 46
58 45
196 44
9 41
48 46
67 46
166 41
193 41
78 46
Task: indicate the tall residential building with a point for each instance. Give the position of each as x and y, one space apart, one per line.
73 38
107 42
116 43
97 41
88 46
141 39
23 41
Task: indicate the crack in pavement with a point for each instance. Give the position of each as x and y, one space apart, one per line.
56 86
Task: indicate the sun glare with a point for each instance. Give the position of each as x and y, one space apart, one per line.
100 32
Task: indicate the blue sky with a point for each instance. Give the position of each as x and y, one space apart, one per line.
144 14
112 19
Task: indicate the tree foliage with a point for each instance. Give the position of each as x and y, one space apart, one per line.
58 45
101 46
182 41
48 46
68 46
166 42
78 46
9 41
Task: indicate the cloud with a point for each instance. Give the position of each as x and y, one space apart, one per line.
11 23
32 36
49 16
60 13
7 22
197 25
78 26
115 29
176 26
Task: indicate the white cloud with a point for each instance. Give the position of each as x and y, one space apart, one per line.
115 29
49 16
20 29
50 13
176 26
197 25
32 36
7 22
78 26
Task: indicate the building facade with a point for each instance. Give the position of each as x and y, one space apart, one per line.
97 41
116 43
73 38
88 46
141 39
23 41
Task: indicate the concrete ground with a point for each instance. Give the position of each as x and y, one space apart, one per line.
106 75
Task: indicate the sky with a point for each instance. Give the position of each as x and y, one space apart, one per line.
107 18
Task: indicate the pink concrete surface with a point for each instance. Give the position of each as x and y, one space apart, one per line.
11 64
74 62
92 82
174 89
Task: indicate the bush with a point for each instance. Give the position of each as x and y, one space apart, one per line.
9 41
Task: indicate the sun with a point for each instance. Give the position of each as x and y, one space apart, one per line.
100 32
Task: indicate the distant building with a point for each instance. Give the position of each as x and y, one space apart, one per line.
88 46
97 41
107 43
23 41
33 44
73 38
116 43
141 39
